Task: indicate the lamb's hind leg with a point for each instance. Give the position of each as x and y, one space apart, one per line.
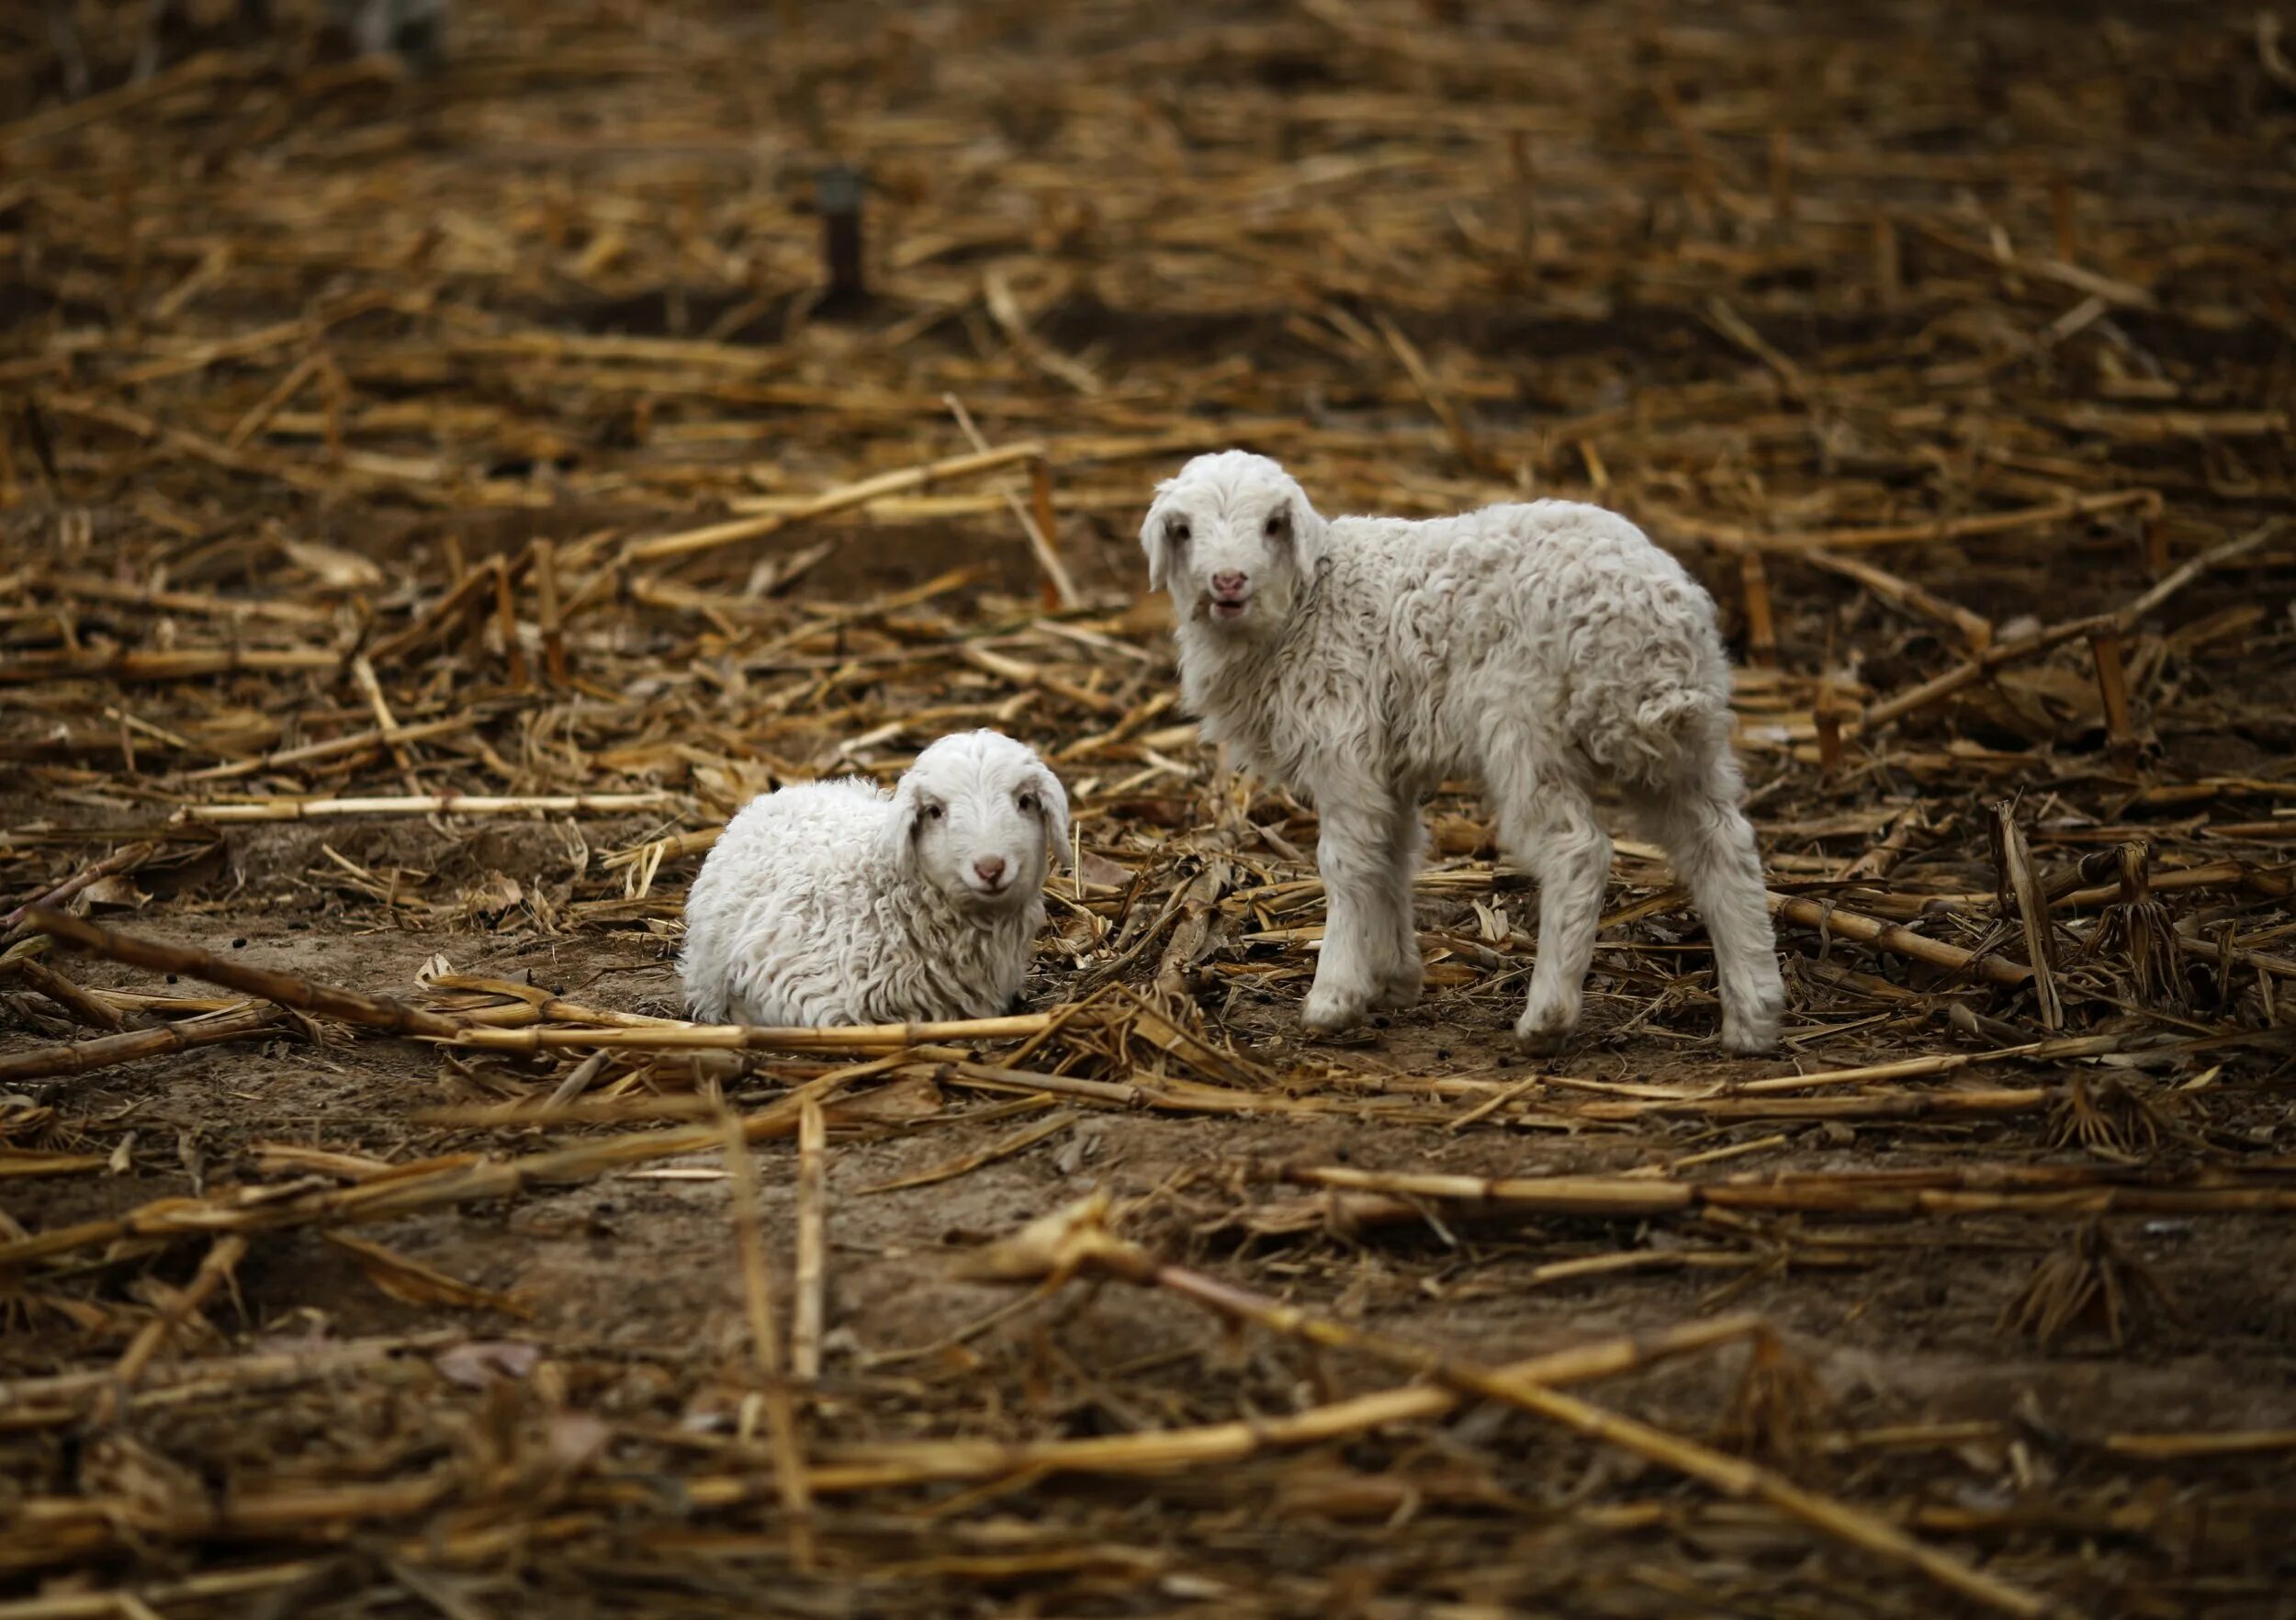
1711 844
1548 825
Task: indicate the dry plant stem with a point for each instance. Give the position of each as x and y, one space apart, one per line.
1103 1254
1498 1100
2112 690
1828 718
2020 889
408 1190
1761 629
1907 1104
757 1295
1044 535
506 625
1899 941
2154 540
124 858
553 628
1974 629
846 496
965 1163
2130 617
429 805
755 1038
186 602
1998 523
190 664
222 1258
1998 656
1414 366
440 616
1044 510
2172 1448
1211 1444
362 673
2271 881
151 1598
91 1010
309 753
85 1057
64 1398
813 1244
1922 1068
2072 1193
352 1006
578 1079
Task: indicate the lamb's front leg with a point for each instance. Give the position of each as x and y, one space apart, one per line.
1401 969
1352 853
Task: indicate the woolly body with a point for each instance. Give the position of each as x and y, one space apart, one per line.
837 903
1536 648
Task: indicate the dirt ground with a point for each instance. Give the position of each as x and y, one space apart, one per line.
1743 272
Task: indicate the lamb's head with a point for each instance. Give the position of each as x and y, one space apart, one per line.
1235 540
977 817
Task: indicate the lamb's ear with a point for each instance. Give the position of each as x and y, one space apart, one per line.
900 834
1054 798
1310 534
1152 539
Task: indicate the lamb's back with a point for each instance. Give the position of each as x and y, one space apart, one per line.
1553 609
792 870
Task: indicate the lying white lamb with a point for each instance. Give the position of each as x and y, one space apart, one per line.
1536 648
837 903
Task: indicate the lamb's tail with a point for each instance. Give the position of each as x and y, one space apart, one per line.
1655 728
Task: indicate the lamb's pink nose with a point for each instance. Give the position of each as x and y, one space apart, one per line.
991 868
1230 583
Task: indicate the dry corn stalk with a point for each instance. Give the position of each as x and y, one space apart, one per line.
2137 935
1075 1241
2088 1278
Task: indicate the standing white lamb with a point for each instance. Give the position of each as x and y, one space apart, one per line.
837 903
1537 648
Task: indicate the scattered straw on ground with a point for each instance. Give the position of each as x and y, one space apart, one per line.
432 505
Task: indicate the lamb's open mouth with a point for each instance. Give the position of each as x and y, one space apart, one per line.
1229 607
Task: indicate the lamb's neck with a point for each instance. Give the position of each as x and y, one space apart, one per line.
1233 682
964 950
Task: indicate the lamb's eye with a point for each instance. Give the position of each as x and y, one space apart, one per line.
1176 532
1027 804
1278 523
934 813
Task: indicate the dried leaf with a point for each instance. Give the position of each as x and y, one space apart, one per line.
478 1363
335 568
416 1284
118 893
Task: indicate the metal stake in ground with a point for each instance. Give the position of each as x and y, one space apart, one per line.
837 192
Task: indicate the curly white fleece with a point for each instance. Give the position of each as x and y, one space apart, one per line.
1536 647
837 903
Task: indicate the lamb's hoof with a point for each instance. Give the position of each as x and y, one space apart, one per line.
1750 1020
1330 1012
1397 993
1543 1029
1540 1043
1748 1037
